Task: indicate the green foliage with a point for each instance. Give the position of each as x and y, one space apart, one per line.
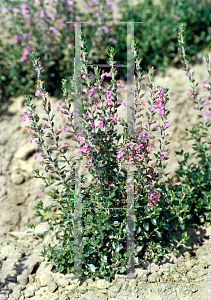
156 38
104 229
196 179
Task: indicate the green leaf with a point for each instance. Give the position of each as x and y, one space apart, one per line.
154 221
146 226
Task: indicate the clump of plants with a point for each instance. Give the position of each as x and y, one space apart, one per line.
38 29
157 210
157 35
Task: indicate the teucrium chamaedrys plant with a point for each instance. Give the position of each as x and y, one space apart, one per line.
104 228
196 183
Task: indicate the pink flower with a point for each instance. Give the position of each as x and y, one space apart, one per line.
3 9
207 112
25 53
113 40
61 104
129 145
24 117
162 154
51 15
125 104
24 9
206 102
87 114
186 72
161 111
105 29
204 85
91 91
119 154
110 102
115 118
84 90
79 151
65 145
15 39
53 29
167 123
190 93
176 17
37 155
101 124
26 35
38 93
90 161
80 138
111 4
85 148
120 84
92 123
42 13
69 2
62 21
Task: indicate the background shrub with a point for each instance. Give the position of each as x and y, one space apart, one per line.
156 40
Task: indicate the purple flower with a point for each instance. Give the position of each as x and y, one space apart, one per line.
3 9
62 21
105 29
162 154
113 40
26 35
53 29
111 4
15 39
25 53
125 104
207 113
24 9
161 111
176 17
42 13
90 161
167 123
37 155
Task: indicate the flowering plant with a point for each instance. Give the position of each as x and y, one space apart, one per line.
104 226
196 184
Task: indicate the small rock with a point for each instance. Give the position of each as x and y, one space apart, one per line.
30 291
8 251
3 140
52 286
63 282
17 178
22 279
153 278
